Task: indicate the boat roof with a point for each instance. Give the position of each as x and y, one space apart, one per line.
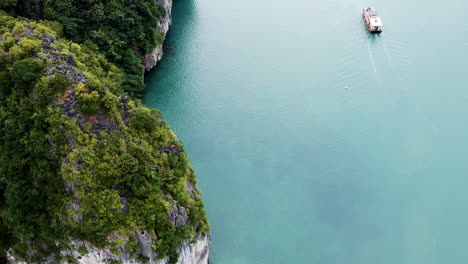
372 13
376 22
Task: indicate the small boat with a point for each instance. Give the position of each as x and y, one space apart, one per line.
372 20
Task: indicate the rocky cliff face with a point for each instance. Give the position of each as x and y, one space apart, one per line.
150 60
189 253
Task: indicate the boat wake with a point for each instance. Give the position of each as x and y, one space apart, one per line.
371 58
388 55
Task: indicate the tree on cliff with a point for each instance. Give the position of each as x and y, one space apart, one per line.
121 29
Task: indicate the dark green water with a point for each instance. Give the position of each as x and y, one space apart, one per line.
315 142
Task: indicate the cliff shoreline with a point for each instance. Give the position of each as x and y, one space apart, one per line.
189 253
151 60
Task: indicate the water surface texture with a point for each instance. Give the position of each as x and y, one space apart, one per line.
316 142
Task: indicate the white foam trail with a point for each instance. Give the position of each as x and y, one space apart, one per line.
387 54
377 78
371 58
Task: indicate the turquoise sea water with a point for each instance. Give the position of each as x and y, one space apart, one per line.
315 142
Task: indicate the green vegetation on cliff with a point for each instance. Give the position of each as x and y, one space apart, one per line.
79 159
121 29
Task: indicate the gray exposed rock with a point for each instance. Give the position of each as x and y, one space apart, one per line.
126 117
145 241
177 215
47 41
124 203
76 207
68 186
194 253
68 59
64 68
77 76
190 188
189 253
67 70
100 122
28 30
68 104
150 60
124 100
103 122
172 149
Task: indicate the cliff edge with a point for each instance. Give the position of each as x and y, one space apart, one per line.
150 60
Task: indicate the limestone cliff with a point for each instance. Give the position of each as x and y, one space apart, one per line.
150 60
189 253
91 175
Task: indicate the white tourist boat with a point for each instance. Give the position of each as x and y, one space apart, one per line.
373 21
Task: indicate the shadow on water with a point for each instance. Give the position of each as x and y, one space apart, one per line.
373 37
183 17
184 20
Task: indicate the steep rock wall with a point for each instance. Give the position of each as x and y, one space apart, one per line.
189 253
150 60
